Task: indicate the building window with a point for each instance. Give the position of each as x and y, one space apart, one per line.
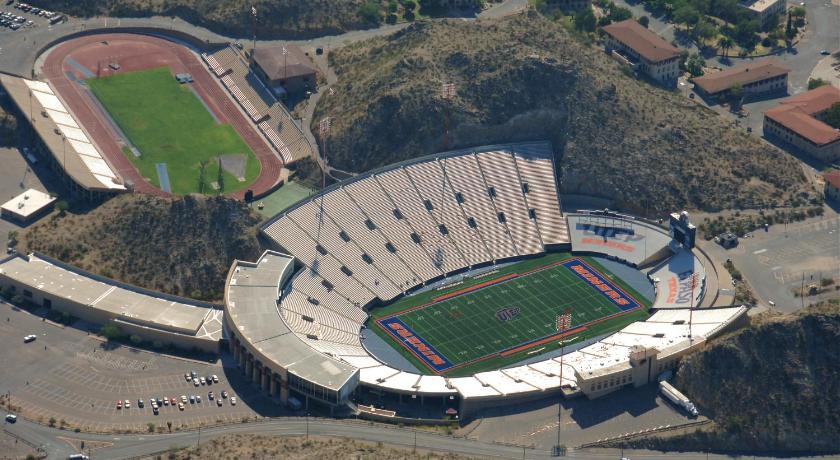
532 213
525 188
346 271
327 285
443 230
415 237
459 197
27 293
370 225
501 217
367 258
471 222
320 249
344 236
390 247
397 214
428 205
491 191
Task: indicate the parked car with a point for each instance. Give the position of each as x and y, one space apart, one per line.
195 382
173 401
11 418
210 395
233 400
140 403
187 377
224 394
155 410
198 399
219 402
127 404
192 399
203 382
215 378
119 404
180 406
824 52
30 338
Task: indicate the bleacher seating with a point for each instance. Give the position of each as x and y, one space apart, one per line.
466 179
538 173
402 192
499 172
432 184
270 116
373 201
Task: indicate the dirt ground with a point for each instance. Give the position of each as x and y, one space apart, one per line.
11 448
245 446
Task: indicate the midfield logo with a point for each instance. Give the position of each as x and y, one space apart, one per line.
507 314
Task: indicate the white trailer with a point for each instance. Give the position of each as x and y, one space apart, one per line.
676 397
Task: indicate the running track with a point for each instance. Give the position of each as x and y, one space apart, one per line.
138 52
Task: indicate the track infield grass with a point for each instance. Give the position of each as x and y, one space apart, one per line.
506 321
168 123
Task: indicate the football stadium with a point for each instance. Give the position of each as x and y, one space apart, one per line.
455 282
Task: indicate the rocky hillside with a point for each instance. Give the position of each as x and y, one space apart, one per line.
526 78
773 386
181 246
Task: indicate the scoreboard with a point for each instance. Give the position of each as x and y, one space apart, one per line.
682 231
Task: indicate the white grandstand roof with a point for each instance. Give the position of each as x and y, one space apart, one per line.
72 148
251 297
470 387
116 299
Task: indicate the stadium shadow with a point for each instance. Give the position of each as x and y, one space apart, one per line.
633 401
247 391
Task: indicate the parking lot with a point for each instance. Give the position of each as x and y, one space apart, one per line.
71 376
780 262
16 16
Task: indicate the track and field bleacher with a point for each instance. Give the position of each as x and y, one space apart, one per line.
402 193
271 117
538 173
312 286
432 185
499 172
466 179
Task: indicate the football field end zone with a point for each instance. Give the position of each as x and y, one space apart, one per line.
416 345
590 275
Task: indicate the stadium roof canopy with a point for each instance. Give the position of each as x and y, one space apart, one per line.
62 135
253 291
115 300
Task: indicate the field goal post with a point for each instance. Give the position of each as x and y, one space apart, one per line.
564 321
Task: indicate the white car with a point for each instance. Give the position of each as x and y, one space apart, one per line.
203 381
127 404
11 418
233 400
30 338
215 378
183 398
195 382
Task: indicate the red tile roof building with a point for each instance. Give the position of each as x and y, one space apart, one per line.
754 77
644 50
797 120
832 185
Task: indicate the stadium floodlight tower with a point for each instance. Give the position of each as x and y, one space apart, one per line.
447 92
562 324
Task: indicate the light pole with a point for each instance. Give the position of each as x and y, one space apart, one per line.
307 425
447 92
563 324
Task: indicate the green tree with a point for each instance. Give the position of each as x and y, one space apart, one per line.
736 94
816 83
202 179
585 20
221 179
694 64
644 21
687 15
618 13
832 116
369 13
110 332
135 339
798 12
725 43
704 30
61 206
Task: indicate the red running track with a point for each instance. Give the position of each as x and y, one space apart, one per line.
140 52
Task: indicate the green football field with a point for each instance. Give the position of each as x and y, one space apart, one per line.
502 322
168 123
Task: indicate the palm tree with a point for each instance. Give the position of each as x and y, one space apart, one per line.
725 43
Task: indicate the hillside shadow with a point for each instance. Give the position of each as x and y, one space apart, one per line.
633 401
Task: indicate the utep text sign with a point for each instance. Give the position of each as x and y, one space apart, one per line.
416 344
606 287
